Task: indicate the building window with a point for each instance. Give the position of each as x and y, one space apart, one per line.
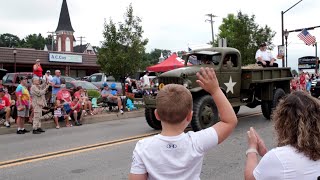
68 46
59 44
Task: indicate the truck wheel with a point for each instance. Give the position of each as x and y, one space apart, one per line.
151 119
266 107
236 109
205 113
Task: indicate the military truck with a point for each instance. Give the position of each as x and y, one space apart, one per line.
243 86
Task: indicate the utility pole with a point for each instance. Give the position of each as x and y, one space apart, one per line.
317 59
81 37
52 36
211 21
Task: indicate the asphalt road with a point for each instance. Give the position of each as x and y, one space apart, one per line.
225 162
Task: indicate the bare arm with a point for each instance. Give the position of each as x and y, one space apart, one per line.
251 164
138 176
228 119
35 67
208 81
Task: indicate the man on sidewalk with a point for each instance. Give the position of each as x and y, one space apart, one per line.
4 108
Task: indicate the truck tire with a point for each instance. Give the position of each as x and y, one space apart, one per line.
151 119
205 113
236 109
268 106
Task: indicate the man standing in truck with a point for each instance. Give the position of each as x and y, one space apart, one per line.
265 58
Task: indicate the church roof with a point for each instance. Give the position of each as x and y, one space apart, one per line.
64 20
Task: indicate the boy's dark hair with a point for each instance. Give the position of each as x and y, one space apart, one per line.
174 103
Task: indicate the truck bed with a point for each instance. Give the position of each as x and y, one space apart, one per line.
266 75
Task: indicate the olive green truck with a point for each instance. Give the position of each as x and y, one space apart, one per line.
243 86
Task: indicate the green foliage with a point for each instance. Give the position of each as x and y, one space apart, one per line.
9 40
123 48
153 56
244 34
34 41
93 93
31 41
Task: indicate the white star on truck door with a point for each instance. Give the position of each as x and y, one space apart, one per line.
230 85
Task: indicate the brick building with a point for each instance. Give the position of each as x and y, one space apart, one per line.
62 56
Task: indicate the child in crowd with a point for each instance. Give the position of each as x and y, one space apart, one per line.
174 154
77 113
309 85
59 115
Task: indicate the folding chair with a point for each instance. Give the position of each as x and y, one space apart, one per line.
96 107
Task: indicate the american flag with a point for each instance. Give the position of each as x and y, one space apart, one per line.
307 38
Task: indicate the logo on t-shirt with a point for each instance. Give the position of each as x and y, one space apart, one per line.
172 146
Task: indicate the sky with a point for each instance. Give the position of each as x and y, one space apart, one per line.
168 24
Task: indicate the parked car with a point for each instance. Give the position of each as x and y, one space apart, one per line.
12 80
67 78
73 85
315 88
99 78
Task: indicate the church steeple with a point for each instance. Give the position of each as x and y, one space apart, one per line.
64 20
64 30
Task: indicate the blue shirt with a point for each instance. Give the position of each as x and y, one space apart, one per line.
105 92
56 81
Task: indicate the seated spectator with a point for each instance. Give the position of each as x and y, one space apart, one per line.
76 111
297 155
60 115
106 94
64 95
82 96
5 108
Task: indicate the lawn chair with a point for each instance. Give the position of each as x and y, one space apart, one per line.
97 108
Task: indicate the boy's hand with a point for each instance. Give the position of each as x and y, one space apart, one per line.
207 80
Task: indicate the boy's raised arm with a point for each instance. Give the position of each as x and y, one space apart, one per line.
208 81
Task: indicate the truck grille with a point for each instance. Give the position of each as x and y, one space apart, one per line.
170 80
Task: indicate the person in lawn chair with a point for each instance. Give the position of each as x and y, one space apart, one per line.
108 95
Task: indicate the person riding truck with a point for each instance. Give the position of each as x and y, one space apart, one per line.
265 58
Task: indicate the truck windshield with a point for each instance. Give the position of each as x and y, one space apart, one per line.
198 59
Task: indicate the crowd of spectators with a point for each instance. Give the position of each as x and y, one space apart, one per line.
303 81
31 103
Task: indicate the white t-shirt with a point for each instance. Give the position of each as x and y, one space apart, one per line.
146 81
286 163
47 79
176 157
265 55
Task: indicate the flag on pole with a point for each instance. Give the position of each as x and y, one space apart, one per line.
307 38
189 49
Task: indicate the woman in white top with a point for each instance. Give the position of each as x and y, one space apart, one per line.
297 155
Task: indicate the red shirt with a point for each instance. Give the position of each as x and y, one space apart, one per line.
64 94
302 79
77 108
38 72
4 102
77 94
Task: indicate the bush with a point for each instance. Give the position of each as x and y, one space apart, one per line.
93 93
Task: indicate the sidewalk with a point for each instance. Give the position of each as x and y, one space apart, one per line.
106 116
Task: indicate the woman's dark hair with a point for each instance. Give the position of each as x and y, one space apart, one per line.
297 123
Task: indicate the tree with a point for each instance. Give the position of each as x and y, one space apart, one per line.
35 41
123 49
244 34
154 55
9 40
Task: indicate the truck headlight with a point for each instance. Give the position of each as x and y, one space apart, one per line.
187 83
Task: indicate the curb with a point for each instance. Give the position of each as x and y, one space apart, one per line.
108 116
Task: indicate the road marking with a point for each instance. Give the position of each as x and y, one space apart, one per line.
45 156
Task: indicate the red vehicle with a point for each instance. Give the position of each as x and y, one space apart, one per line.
12 80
